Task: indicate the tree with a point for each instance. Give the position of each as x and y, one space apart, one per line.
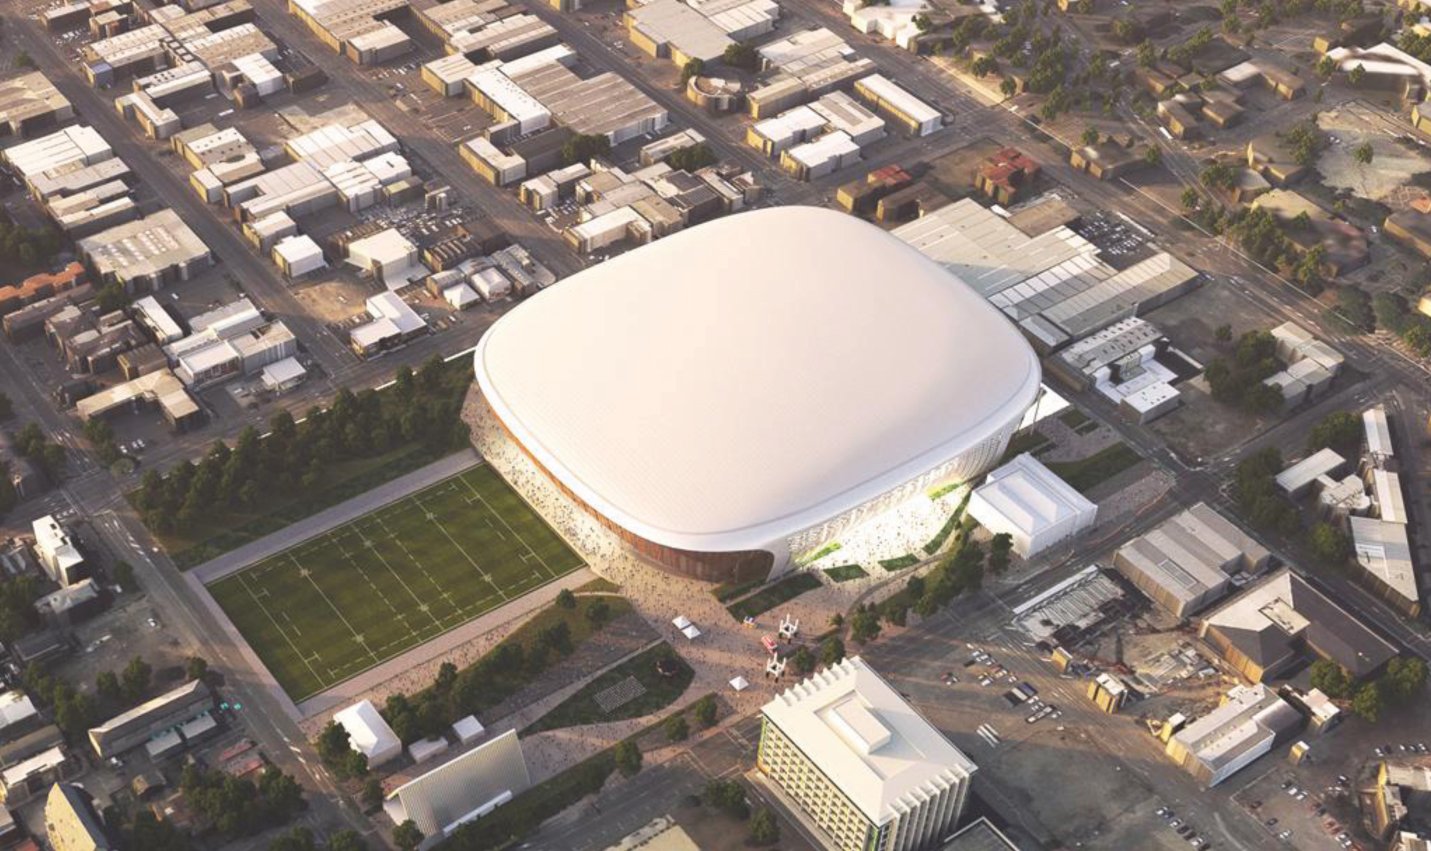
1191 198
1405 678
692 68
676 728
705 710
123 575
1368 702
197 668
832 650
1356 75
106 685
803 659
1009 87
1147 55
1223 333
296 839
1363 153
135 678
566 599
999 549
1091 136
1330 678
983 66
598 611
693 157
112 297
728 796
741 56
372 793
1339 431
864 625
764 828
407 836
1326 66
346 840
584 147
628 758
922 22
1329 544
333 744
1153 156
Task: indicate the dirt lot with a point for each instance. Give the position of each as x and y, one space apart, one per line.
1204 428
131 628
1109 808
1388 177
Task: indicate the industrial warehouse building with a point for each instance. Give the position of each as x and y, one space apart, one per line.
1267 628
146 254
667 453
1250 721
1187 562
1053 285
860 763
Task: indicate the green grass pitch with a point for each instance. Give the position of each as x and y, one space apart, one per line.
364 592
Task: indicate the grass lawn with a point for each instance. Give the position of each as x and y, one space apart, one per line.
1030 441
900 562
660 692
728 591
771 596
358 595
846 572
343 481
1086 473
1073 418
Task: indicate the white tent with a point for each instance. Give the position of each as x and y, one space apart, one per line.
691 632
740 684
682 622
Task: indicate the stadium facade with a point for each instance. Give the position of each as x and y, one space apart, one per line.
740 393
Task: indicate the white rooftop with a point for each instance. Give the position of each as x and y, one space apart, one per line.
368 733
866 739
744 434
1383 551
1031 495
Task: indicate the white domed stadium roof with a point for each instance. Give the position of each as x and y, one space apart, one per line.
738 382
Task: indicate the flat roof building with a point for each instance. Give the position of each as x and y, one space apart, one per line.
861 763
1053 286
146 254
1378 434
1264 630
671 29
62 560
747 502
160 387
1250 721
392 323
1385 556
1028 501
30 103
914 115
1186 563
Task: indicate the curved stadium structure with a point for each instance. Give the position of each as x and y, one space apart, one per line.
740 393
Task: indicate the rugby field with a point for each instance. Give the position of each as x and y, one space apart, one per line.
351 598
